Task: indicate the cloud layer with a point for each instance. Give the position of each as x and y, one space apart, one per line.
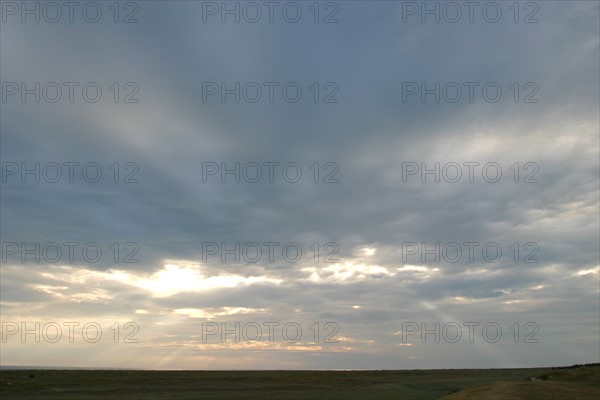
365 215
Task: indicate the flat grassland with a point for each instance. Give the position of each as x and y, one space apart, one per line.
580 383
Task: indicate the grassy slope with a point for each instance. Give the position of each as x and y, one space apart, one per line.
573 384
183 385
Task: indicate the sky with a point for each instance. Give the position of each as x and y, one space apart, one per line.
300 185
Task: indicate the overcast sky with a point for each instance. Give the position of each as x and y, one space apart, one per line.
518 92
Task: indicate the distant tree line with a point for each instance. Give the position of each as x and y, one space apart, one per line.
578 365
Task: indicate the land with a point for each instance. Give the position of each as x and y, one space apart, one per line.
571 383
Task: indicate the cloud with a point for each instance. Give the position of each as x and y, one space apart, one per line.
369 288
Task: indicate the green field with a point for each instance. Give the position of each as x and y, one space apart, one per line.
572 384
